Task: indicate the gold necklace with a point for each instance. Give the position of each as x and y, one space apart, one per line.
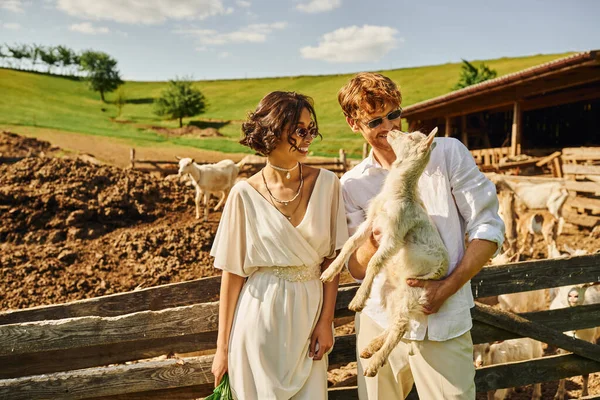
289 217
284 202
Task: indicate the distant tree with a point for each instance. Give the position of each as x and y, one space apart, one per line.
471 75
35 53
102 73
120 100
3 55
49 56
179 100
18 52
65 57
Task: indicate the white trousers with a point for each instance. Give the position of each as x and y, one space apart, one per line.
440 370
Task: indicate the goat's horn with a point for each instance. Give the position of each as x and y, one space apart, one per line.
178 158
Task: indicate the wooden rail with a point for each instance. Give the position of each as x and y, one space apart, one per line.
165 167
97 348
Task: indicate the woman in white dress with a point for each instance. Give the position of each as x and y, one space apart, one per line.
278 231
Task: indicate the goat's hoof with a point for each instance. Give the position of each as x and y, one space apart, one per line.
327 276
366 354
356 305
371 372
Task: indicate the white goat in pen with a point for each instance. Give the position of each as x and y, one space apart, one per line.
571 296
549 196
504 352
410 245
210 178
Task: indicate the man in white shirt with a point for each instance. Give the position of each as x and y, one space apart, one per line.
436 353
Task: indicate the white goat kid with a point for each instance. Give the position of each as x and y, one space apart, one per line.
410 245
572 296
504 352
209 179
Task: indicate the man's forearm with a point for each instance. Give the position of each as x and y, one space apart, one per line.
478 252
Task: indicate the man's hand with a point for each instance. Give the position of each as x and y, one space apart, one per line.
435 293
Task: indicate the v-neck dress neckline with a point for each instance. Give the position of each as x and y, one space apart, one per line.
308 205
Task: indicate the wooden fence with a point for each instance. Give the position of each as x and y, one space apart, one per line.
98 348
164 167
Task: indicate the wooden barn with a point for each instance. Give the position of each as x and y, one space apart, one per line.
536 111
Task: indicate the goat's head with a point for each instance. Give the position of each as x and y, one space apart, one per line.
185 164
482 355
414 147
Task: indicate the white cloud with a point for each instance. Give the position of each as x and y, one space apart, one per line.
256 33
88 29
243 3
11 25
317 6
224 54
12 5
143 12
353 44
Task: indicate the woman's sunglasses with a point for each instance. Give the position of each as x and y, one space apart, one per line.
303 132
374 123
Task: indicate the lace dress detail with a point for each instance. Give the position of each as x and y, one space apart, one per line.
300 273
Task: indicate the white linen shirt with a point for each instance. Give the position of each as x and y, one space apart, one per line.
459 200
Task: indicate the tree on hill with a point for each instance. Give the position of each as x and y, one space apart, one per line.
179 100
102 73
470 75
48 56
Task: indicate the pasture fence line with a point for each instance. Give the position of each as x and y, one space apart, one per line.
338 165
116 346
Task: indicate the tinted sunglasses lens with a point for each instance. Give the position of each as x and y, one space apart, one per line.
375 123
302 132
394 114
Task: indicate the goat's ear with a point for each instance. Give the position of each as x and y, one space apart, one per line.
431 136
193 161
178 158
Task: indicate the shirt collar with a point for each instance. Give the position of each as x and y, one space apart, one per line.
371 162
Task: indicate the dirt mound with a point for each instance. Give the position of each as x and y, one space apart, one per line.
73 230
52 200
15 146
166 251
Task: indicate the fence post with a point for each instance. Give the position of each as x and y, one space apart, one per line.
365 153
343 159
132 158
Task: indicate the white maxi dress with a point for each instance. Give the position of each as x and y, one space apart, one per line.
280 303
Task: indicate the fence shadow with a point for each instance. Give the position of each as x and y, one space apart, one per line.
209 124
143 100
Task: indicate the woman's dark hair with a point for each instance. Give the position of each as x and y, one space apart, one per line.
277 110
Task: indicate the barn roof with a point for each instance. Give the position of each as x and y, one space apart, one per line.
579 71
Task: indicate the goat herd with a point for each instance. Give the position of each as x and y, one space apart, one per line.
530 209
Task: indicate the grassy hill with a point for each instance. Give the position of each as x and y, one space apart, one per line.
40 100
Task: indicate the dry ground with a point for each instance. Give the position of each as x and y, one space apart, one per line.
74 230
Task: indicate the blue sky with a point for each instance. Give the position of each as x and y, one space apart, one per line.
219 39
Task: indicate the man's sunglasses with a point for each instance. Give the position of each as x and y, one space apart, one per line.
374 123
303 132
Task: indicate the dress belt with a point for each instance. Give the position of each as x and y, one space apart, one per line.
293 273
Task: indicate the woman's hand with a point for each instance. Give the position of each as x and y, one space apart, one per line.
323 335
219 365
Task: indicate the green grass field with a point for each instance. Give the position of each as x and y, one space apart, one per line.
39 100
